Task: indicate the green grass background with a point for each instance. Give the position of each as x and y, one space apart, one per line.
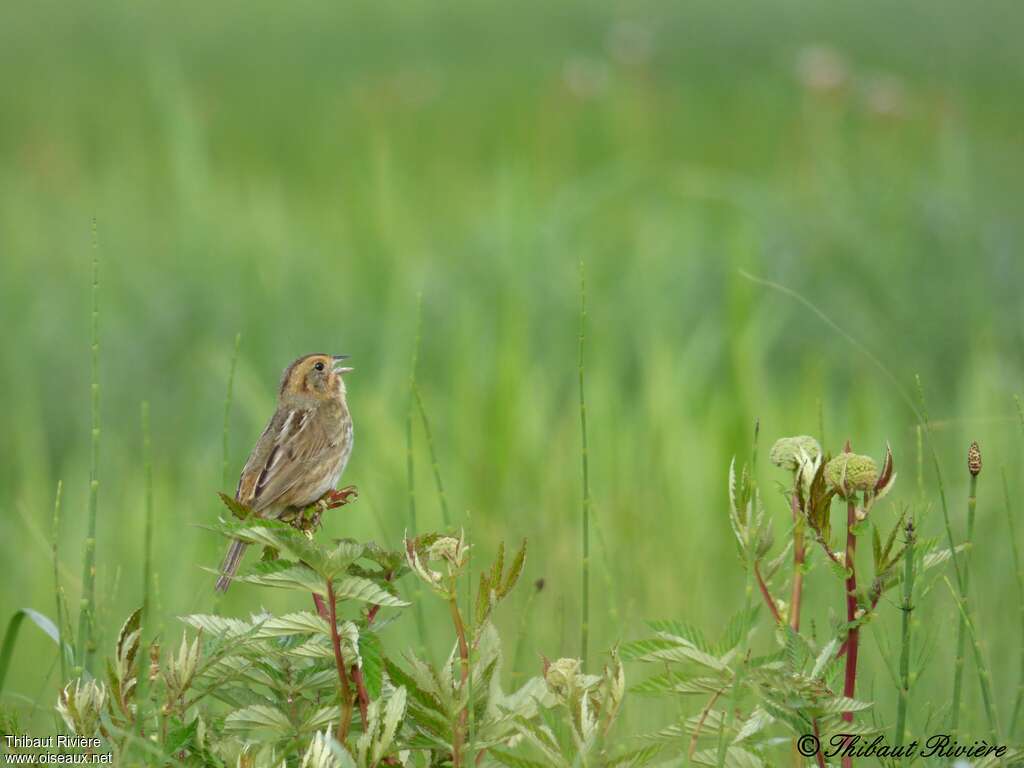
299 174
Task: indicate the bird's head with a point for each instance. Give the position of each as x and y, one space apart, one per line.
316 377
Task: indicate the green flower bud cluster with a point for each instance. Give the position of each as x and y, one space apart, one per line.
791 452
851 472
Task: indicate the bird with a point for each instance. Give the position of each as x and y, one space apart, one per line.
302 452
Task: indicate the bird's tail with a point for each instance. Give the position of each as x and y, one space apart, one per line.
229 566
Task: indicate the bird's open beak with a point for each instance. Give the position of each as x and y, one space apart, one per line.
338 367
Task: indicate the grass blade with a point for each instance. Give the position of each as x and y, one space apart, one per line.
87 611
11 637
584 461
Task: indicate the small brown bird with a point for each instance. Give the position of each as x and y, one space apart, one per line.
302 452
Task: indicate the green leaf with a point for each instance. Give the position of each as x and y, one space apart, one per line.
736 630
11 636
299 623
237 508
674 682
841 704
297 576
373 663
320 719
734 758
684 631
256 717
514 572
358 588
514 761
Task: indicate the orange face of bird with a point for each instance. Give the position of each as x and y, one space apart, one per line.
315 376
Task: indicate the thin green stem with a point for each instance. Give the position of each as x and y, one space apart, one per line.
61 623
907 607
87 609
1019 571
227 411
961 634
435 467
584 461
984 678
147 568
942 487
410 463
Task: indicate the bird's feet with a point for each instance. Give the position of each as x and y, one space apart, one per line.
309 520
339 498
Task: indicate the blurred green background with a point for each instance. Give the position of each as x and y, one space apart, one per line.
299 174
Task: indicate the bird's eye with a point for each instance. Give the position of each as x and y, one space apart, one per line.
319 366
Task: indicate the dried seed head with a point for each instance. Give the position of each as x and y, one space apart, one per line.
851 472
974 459
791 452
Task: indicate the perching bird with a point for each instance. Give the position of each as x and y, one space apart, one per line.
302 452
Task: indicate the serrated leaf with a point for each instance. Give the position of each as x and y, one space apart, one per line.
759 720
320 719
824 657
514 572
298 577
236 508
258 716
734 758
841 704
298 623
372 663
683 631
218 626
358 588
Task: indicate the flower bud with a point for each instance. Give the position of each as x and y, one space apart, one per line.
82 705
851 472
791 452
561 675
974 459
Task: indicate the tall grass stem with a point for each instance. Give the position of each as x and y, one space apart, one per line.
62 623
87 609
435 467
585 465
961 632
1019 571
228 396
905 637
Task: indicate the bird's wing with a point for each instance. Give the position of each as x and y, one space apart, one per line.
290 443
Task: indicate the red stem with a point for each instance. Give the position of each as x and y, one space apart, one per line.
799 554
766 594
853 638
818 755
339 662
460 729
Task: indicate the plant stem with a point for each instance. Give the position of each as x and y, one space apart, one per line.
227 411
410 463
459 735
584 461
799 555
147 569
56 583
852 641
961 633
1019 699
767 595
984 678
339 662
817 734
435 468
907 608
87 610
